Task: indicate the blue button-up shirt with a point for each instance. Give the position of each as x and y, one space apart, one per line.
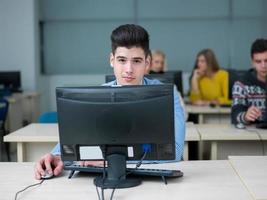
179 120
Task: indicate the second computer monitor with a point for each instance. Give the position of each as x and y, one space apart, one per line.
170 77
10 80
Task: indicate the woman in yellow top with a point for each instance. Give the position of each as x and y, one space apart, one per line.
209 83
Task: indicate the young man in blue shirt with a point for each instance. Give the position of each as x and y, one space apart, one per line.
130 61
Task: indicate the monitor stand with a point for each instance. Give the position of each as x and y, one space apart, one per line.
116 174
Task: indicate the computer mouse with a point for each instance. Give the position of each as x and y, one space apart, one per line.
47 175
240 126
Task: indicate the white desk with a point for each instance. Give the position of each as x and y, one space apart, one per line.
35 140
227 140
208 115
203 180
252 172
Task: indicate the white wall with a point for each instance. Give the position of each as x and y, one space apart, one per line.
49 83
19 50
17 39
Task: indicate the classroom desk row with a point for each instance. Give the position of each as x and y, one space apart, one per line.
239 178
225 140
35 140
221 140
210 115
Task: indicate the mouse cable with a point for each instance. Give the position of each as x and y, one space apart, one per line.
102 196
262 143
28 188
261 139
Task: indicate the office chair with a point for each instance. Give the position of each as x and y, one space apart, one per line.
48 117
3 132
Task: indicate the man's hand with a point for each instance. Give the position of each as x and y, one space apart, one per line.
252 114
98 163
52 164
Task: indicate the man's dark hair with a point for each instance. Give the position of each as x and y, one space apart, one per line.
258 46
130 35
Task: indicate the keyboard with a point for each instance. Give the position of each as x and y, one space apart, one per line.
133 171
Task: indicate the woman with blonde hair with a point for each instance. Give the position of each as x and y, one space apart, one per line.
159 63
209 83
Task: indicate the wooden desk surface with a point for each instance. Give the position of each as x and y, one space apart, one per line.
225 132
207 110
253 172
207 180
34 133
49 133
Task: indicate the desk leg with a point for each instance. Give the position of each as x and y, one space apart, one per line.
200 119
200 150
185 155
214 150
20 152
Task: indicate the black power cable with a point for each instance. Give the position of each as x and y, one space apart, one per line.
28 188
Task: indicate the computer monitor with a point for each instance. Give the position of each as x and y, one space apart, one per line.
234 75
121 120
171 77
10 80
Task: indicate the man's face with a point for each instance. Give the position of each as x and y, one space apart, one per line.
259 62
130 65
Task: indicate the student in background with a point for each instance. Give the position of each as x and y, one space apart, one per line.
159 63
249 94
209 83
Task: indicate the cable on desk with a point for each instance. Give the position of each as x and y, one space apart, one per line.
261 139
98 195
28 188
262 143
136 167
102 196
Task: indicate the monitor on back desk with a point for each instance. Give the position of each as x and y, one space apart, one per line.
10 80
169 77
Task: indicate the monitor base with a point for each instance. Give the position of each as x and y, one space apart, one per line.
115 175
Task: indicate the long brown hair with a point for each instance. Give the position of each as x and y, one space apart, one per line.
211 60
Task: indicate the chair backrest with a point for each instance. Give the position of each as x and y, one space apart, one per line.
234 75
3 110
48 117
